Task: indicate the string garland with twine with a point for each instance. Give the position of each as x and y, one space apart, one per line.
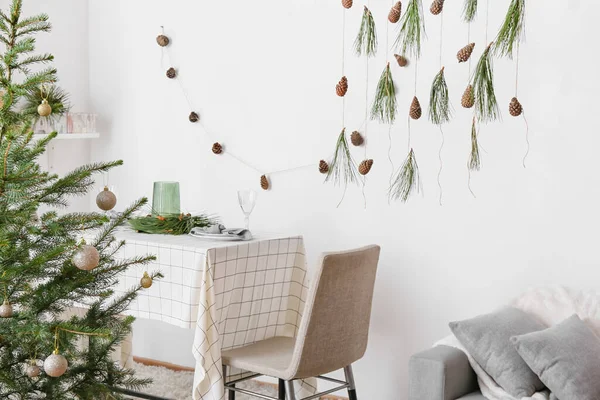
522 111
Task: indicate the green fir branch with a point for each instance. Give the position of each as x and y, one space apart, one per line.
486 105
342 169
469 10
412 30
474 158
439 100
511 31
366 40
384 107
407 180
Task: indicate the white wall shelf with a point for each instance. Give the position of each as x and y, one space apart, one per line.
73 136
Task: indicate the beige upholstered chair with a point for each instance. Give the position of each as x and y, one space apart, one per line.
332 335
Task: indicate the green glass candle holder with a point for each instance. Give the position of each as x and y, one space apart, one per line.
165 199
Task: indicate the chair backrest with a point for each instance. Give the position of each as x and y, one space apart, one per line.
335 327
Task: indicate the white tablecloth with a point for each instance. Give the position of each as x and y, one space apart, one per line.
231 293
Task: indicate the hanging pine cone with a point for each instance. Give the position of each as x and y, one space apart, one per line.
264 182
162 40
347 3
323 167
395 12
468 97
402 61
171 73
217 148
515 108
465 53
342 87
437 7
415 109
365 167
356 138
194 117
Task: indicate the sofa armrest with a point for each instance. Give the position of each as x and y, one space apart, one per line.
440 373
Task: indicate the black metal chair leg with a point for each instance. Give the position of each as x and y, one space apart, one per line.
350 379
231 394
281 389
352 394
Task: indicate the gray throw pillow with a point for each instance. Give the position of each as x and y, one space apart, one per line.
487 339
566 357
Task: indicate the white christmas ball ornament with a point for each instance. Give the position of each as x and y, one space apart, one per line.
86 258
55 365
32 370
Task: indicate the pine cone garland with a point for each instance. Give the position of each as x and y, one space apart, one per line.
323 167
402 61
217 148
415 109
515 108
356 138
171 73
365 167
162 40
264 182
468 97
194 117
342 87
347 3
465 53
437 7
395 12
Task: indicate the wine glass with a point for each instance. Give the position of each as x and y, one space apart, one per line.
247 200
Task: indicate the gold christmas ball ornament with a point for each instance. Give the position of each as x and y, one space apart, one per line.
106 200
146 281
44 109
86 258
162 40
6 310
55 365
32 370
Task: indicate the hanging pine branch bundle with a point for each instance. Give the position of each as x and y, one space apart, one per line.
474 160
470 10
511 31
439 100
407 180
412 29
486 106
342 169
366 41
384 105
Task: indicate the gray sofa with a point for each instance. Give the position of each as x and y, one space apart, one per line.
442 373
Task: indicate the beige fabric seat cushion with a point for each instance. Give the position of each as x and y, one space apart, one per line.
270 357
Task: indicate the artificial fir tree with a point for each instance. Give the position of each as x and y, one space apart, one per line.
39 280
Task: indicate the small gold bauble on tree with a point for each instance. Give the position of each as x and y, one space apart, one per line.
468 97
365 167
264 182
32 370
515 108
402 61
6 309
356 138
44 109
162 40
217 148
395 12
194 117
415 109
55 365
106 200
347 3
437 7
464 54
171 73
86 258
323 167
146 281
342 87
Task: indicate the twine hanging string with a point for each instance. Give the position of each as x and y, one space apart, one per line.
387 38
366 121
344 97
439 182
523 112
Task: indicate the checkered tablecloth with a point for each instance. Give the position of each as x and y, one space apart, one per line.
231 293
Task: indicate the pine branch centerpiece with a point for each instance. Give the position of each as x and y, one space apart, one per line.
486 105
181 224
366 40
342 169
407 180
511 31
439 100
412 30
384 107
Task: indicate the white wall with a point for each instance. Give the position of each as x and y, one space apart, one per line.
263 74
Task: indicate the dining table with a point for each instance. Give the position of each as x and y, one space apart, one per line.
231 293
